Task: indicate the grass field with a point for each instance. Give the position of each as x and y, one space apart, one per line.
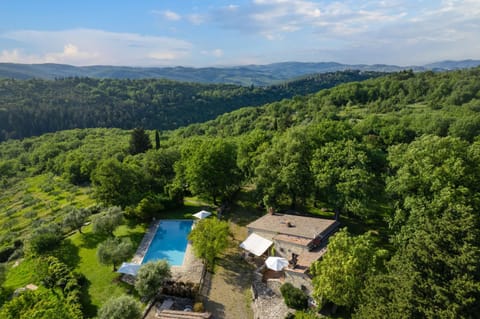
37 200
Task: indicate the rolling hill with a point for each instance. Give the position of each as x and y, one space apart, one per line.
259 75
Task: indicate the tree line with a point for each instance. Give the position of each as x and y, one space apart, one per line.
33 107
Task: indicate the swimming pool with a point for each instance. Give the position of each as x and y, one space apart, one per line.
170 242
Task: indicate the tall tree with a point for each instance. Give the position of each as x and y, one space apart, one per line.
343 177
157 140
117 183
340 275
113 251
210 237
150 278
139 141
427 170
209 167
284 169
435 274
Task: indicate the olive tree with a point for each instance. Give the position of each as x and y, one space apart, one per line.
107 222
150 277
114 250
123 307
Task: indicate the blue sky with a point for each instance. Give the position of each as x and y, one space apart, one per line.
220 33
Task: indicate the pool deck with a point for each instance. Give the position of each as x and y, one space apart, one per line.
190 271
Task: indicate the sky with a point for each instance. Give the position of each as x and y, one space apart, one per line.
203 33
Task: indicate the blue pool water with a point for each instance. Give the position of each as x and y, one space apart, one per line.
169 242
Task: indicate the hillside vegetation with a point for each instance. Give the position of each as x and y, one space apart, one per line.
397 157
34 107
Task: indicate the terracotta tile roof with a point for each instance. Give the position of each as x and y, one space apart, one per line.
308 227
293 239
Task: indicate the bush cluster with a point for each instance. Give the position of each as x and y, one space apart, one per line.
294 298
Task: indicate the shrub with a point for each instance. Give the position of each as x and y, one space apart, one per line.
123 307
294 298
198 307
44 239
5 253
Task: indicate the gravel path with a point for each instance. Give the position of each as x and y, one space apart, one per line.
227 292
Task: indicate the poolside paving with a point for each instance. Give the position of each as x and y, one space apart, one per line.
145 243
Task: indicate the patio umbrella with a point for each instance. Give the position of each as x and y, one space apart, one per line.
276 263
202 214
129 269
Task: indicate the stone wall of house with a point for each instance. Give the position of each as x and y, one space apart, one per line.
285 249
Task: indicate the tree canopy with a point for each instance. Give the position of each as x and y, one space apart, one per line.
123 307
108 221
150 277
340 276
209 167
139 141
210 238
114 250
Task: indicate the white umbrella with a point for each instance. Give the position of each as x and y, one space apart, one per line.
129 269
276 263
202 214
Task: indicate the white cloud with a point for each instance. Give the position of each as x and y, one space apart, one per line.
273 18
217 53
88 46
397 31
196 18
172 16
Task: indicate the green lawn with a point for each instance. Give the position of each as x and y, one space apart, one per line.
102 282
21 275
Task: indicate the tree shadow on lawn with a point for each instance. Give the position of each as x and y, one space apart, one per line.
67 253
217 309
89 309
91 240
135 237
237 272
241 215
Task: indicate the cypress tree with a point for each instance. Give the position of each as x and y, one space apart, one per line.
157 140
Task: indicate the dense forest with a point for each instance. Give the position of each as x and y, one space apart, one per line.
397 157
34 107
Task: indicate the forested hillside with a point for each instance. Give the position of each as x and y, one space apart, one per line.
34 107
397 157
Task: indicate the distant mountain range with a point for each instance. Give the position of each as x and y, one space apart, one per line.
258 75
